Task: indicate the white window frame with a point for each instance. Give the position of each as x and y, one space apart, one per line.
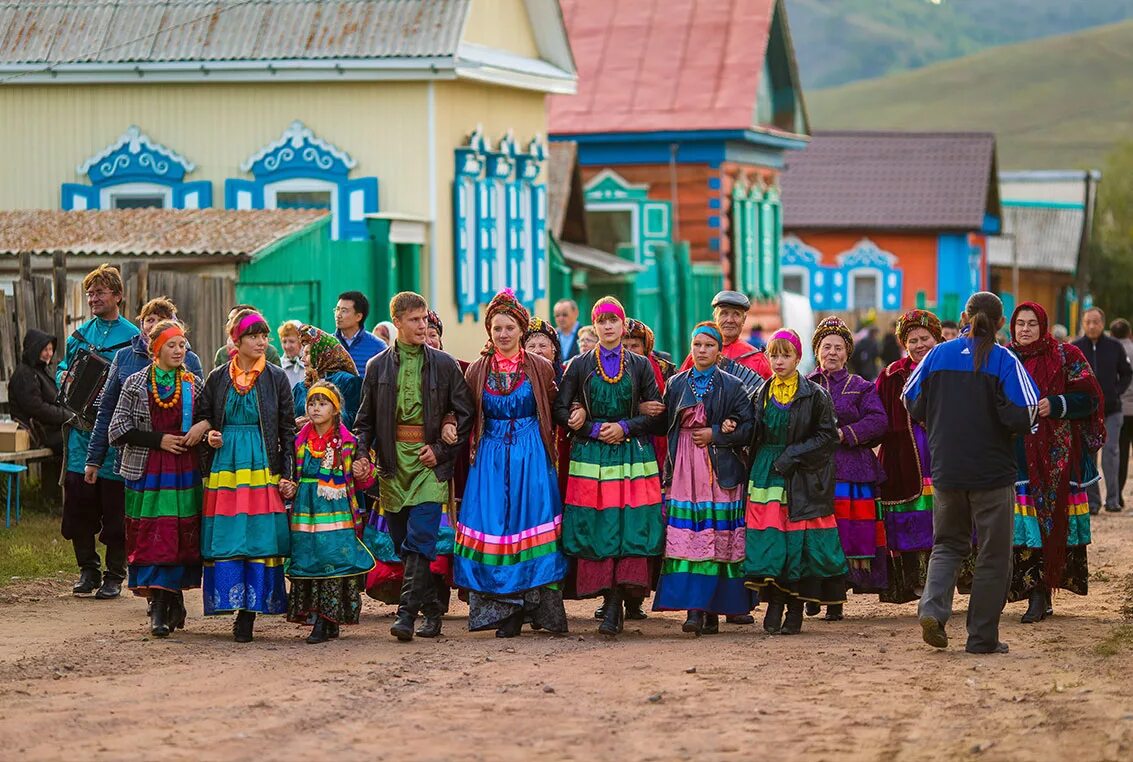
862 273
803 272
305 185
107 194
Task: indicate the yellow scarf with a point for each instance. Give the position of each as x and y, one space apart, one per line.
784 390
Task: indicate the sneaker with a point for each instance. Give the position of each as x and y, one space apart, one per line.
933 632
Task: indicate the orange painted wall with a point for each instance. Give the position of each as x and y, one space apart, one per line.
916 257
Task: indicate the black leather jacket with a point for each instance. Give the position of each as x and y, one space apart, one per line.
728 399
443 391
807 464
575 387
277 416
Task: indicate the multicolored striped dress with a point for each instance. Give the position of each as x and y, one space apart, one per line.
801 558
612 518
329 563
704 537
508 539
245 537
163 513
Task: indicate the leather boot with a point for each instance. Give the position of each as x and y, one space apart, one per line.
793 623
694 622
158 627
600 612
410 603
318 632
431 606
739 619
813 609
773 619
711 625
332 630
615 616
834 613
89 581
634 611
1036 609
430 628
243 626
511 627
175 610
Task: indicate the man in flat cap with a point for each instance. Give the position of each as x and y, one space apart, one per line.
729 310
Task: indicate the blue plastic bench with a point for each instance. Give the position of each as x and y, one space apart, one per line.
12 471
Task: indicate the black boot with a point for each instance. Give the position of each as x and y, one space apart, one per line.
431 606
793 623
1036 609
242 627
694 622
615 616
1049 605
600 612
410 602
332 630
89 580
430 628
511 627
318 632
711 625
834 613
813 609
175 610
773 619
739 619
158 626
634 611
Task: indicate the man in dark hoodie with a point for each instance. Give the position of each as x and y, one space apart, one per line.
32 393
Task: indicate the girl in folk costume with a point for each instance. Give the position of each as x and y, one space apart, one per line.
861 423
906 493
328 360
612 520
794 554
508 539
328 560
708 423
151 422
247 405
1052 516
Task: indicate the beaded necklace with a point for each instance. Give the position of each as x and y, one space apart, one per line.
501 384
170 398
621 366
241 389
323 447
700 394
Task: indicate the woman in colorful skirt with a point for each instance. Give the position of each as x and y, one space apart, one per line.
906 493
151 423
1052 514
245 538
328 360
794 554
508 539
708 423
329 563
861 423
612 520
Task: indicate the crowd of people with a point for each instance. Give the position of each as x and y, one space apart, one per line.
575 461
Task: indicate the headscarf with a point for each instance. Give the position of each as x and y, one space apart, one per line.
164 336
327 354
711 330
434 321
504 303
607 305
1057 369
635 329
391 329
918 319
541 326
832 326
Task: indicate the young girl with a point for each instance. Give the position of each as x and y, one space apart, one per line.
163 480
794 554
329 563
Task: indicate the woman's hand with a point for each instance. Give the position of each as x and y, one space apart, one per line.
1044 408
702 437
196 433
728 426
301 421
215 440
448 434
361 468
577 418
287 489
611 433
651 408
173 443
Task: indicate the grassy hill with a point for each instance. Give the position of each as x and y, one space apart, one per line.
1061 102
841 41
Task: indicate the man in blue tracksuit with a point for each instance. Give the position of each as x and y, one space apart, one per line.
973 397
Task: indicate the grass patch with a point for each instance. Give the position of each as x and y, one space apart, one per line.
1119 639
34 548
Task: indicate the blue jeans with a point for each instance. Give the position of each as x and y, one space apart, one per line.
414 529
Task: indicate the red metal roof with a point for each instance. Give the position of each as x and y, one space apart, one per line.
659 65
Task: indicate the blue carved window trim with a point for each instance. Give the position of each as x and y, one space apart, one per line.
499 222
136 164
301 162
830 287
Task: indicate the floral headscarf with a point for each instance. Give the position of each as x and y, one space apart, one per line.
327 354
635 329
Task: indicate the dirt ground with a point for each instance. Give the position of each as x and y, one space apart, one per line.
82 679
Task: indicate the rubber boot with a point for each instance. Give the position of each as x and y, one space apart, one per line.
243 625
1036 609
89 581
332 630
773 619
793 623
158 626
615 616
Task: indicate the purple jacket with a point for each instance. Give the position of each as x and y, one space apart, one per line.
861 421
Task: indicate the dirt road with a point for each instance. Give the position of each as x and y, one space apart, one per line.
82 679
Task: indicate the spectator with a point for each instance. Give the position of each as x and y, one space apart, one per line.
1060 332
224 354
566 320
587 339
949 329
386 331
1107 357
292 362
866 354
891 348
350 328
1120 330
756 339
32 393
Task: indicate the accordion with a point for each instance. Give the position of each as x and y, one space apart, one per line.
83 381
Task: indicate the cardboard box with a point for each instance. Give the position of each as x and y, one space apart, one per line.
13 438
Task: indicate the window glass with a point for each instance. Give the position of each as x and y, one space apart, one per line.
154 201
302 200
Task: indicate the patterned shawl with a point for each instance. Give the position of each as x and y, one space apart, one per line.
327 354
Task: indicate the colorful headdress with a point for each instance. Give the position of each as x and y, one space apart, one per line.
918 319
253 322
541 326
709 329
164 336
327 354
434 320
635 329
607 305
789 336
504 303
330 391
832 326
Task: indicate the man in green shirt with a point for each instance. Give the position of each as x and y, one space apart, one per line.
415 416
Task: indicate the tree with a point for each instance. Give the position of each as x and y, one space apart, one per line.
1111 247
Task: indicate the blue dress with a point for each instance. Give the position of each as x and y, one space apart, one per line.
509 534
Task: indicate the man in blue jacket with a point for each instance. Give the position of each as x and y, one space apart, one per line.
350 315
974 397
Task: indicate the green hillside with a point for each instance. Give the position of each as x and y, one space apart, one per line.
1061 102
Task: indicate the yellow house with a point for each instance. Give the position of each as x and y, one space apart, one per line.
414 122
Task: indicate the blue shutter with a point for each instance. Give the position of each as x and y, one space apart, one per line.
538 232
357 198
197 195
243 194
77 196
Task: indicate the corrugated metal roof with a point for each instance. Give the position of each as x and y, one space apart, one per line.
891 181
596 259
135 31
150 232
1046 237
